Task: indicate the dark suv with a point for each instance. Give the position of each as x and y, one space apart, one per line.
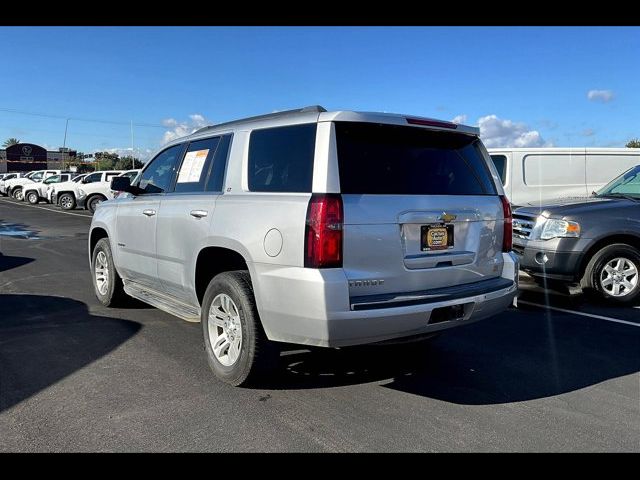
593 242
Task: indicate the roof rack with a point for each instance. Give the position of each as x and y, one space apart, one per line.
312 108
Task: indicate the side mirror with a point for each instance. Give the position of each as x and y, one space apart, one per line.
123 184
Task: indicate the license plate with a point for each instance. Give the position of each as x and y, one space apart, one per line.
436 237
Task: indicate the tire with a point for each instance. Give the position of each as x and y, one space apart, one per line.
93 202
110 291
33 198
257 356
67 201
17 193
605 274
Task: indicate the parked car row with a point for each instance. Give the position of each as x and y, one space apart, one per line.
65 189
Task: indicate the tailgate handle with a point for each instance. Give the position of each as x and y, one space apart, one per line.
148 212
435 216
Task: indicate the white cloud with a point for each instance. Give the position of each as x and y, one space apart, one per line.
180 129
496 132
588 132
600 95
460 119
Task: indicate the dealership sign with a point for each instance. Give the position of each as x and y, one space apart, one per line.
26 152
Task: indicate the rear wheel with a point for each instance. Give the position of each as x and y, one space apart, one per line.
67 201
237 348
32 197
93 202
613 273
107 284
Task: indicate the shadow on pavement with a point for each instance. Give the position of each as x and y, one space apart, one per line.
44 339
9 262
517 356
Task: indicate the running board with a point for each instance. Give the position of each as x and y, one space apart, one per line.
162 301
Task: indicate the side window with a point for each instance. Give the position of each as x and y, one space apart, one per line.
94 177
216 177
281 159
195 165
500 161
158 176
37 176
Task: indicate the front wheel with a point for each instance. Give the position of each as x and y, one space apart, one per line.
33 198
17 194
613 273
67 201
237 348
93 202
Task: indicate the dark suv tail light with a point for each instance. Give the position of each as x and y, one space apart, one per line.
323 233
507 237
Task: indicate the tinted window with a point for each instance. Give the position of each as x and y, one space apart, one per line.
94 177
500 161
37 176
158 176
195 165
281 159
52 179
389 159
216 177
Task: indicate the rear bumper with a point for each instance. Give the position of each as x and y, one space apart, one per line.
312 307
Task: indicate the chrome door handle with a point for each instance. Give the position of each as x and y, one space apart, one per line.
149 212
199 213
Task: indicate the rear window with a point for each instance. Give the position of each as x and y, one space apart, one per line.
281 159
396 160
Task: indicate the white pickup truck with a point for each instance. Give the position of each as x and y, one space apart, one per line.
14 187
86 192
90 191
34 192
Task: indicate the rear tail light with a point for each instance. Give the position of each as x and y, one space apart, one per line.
323 232
507 237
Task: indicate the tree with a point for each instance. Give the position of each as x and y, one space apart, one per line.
633 143
105 160
127 163
10 141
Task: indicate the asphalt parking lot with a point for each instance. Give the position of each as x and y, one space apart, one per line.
75 376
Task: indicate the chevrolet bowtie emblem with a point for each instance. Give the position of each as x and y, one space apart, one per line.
447 217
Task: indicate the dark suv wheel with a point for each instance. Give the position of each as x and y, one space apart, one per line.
613 273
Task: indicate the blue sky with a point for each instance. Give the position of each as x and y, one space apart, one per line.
522 86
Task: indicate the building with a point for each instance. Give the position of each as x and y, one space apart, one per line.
24 157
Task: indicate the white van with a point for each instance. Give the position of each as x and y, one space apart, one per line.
532 175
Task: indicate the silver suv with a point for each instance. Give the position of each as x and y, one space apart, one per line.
310 227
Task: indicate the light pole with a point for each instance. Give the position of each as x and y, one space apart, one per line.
133 160
64 142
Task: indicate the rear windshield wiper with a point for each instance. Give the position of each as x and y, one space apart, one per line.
620 195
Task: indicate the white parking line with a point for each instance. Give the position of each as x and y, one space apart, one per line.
591 315
43 208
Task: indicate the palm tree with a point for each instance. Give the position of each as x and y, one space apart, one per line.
10 141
